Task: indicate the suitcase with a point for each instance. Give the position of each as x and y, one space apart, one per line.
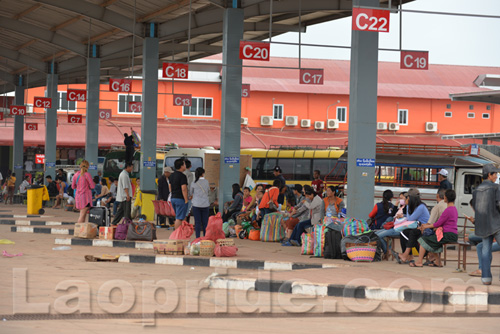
99 216
271 229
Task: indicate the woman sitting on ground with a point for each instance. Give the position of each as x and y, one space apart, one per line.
446 232
417 211
333 203
235 205
315 205
383 211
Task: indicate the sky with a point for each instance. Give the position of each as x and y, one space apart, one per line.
453 40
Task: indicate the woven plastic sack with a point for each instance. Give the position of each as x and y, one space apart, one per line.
214 229
361 251
307 244
319 240
183 232
355 227
271 229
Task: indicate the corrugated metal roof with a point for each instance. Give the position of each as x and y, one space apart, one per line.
436 83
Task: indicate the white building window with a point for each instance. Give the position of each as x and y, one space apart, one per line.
341 114
403 116
448 114
62 104
278 112
471 115
124 99
200 107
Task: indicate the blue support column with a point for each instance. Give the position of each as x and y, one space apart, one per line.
18 165
51 122
362 119
231 103
92 119
149 108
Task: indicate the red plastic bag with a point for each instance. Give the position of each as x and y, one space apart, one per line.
158 208
225 251
168 209
185 231
214 229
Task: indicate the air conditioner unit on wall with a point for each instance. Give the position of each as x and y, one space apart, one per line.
318 125
266 120
393 126
244 121
381 126
291 120
431 126
332 124
305 123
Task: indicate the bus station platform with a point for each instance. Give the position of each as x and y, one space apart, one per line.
266 269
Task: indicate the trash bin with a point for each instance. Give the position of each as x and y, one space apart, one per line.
35 194
148 209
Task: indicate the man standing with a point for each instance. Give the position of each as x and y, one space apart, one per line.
123 194
443 180
129 148
317 184
190 180
178 186
164 188
277 176
486 204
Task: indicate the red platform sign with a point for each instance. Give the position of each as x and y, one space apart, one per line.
1 116
414 60
245 90
104 113
39 158
175 71
370 20
75 119
311 76
76 95
31 126
135 107
120 85
42 102
18 110
255 50
182 100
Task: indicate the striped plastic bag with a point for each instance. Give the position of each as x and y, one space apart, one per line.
271 229
319 240
355 227
307 244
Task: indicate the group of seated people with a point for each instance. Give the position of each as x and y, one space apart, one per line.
434 230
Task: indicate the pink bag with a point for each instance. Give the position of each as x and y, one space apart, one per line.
185 231
214 229
439 233
158 208
168 209
225 251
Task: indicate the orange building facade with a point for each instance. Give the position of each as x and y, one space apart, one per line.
409 98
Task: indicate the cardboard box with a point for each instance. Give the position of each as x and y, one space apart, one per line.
212 168
170 247
85 230
107 232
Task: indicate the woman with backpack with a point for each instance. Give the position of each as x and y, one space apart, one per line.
83 185
382 211
236 204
